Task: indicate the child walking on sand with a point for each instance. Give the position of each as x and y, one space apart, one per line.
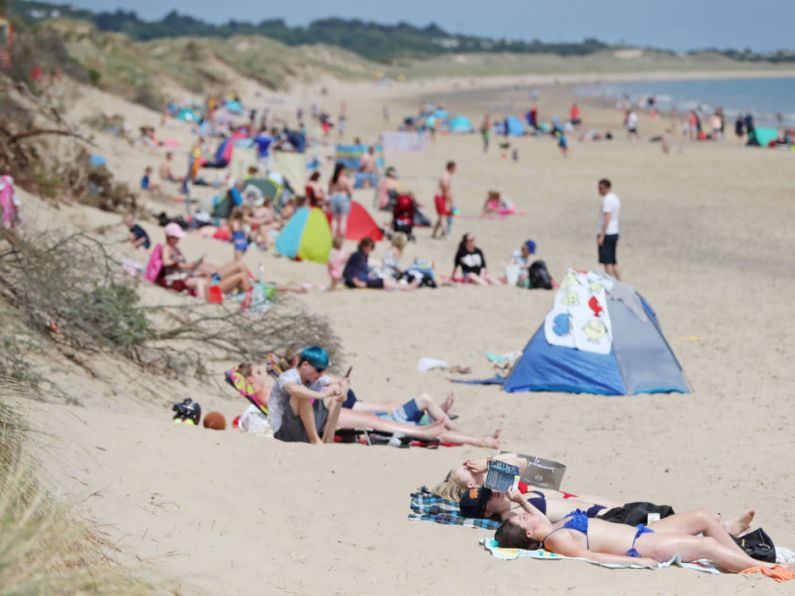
336 263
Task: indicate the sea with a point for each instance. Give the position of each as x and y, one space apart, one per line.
770 100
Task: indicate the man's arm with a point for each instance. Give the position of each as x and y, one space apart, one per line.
299 391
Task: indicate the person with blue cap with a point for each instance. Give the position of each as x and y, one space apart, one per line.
298 405
520 259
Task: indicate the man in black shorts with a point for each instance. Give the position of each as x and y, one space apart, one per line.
607 231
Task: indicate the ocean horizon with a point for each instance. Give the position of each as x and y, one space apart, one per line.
771 100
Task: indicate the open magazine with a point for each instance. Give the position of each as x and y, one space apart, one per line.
544 473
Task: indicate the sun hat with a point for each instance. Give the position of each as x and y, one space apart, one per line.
174 231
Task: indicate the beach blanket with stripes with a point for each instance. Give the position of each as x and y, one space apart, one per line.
509 554
430 507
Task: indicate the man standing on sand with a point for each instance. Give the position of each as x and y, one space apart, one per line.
444 203
631 122
607 232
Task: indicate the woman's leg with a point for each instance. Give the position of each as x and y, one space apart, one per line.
232 268
426 403
231 282
454 436
475 278
699 521
353 419
198 285
662 547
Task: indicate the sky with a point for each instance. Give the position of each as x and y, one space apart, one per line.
762 25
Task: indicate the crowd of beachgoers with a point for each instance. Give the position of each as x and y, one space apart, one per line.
256 204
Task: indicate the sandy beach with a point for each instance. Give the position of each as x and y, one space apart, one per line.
706 239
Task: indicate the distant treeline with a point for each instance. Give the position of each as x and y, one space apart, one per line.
381 43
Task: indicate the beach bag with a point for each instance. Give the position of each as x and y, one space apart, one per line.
538 276
757 545
155 264
636 513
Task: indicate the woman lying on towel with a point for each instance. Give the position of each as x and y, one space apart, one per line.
198 274
482 502
604 542
465 485
472 474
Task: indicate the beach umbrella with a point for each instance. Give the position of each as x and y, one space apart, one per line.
361 224
306 236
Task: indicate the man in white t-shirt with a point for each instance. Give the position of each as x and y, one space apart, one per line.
607 231
631 121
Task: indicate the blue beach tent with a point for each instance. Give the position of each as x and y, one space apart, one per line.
515 126
640 359
460 124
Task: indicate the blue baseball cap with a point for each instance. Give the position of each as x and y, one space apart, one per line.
473 501
531 246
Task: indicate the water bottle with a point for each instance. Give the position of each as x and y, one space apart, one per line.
214 293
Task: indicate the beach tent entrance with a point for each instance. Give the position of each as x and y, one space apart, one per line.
600 337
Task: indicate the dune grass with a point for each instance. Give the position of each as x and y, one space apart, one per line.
43 550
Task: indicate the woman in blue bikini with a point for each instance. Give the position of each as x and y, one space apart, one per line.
605 542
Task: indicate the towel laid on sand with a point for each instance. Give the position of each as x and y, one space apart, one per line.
509 554
776 572
427 506
495 380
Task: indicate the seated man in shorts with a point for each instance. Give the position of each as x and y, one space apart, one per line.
299 401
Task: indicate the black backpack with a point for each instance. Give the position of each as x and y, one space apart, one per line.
538 276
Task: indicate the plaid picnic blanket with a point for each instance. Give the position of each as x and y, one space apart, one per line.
430 507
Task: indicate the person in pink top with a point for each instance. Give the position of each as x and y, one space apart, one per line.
336 263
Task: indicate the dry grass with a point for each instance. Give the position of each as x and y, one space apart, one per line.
69 291
42 549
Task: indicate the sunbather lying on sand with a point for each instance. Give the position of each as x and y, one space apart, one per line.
604 542
355 414
406 418
482 502
472 474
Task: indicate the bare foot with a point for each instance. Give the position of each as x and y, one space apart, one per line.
448 402
738 525
492 442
